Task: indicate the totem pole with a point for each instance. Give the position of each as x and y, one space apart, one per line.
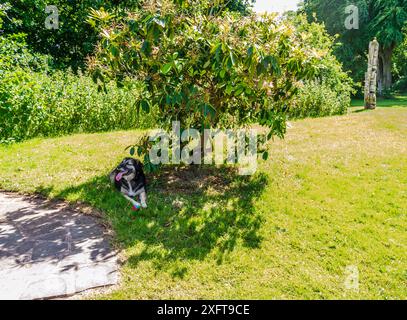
371 75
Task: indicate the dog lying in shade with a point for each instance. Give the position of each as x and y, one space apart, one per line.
130 180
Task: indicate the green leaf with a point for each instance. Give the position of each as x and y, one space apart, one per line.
145 106
265 155
146 159
168 100
250 51
238 92
146 48
216 47
178 65
166 68
229 89
114 51
232 58
132 151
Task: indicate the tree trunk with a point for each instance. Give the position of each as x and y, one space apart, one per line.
380 77
386 79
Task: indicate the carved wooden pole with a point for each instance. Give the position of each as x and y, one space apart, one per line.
371 75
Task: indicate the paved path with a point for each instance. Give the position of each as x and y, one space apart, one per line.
47 249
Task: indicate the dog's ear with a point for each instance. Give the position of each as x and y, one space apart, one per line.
138 165
121 164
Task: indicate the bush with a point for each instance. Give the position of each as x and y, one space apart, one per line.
329 93
206 70
216 71
400 85
318 100
39 104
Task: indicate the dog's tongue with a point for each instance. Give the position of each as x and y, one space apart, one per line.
120 175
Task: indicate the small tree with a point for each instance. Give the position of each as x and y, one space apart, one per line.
205 69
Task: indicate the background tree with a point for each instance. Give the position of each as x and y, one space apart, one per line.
73 40
400 65
242 6
388 19
383 19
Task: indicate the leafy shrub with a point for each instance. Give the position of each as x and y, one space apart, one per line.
329 93
14 53
39 104
318 100
400 85
206 69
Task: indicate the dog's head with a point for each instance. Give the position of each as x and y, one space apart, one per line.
128 169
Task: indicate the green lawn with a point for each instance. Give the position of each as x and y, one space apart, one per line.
333 194
397 101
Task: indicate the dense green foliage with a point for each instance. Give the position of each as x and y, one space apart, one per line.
209 70
39 104
317 99
73 40
213 65
38 101
383 19
400 65
328 93
14 54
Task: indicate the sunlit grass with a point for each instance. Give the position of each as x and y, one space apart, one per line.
333 194
396 101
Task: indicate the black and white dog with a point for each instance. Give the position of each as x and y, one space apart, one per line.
130 180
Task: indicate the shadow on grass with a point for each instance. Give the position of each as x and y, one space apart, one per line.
361 110
193 212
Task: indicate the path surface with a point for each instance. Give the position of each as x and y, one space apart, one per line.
48 249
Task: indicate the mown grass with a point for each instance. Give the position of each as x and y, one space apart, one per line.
396 101
332 195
